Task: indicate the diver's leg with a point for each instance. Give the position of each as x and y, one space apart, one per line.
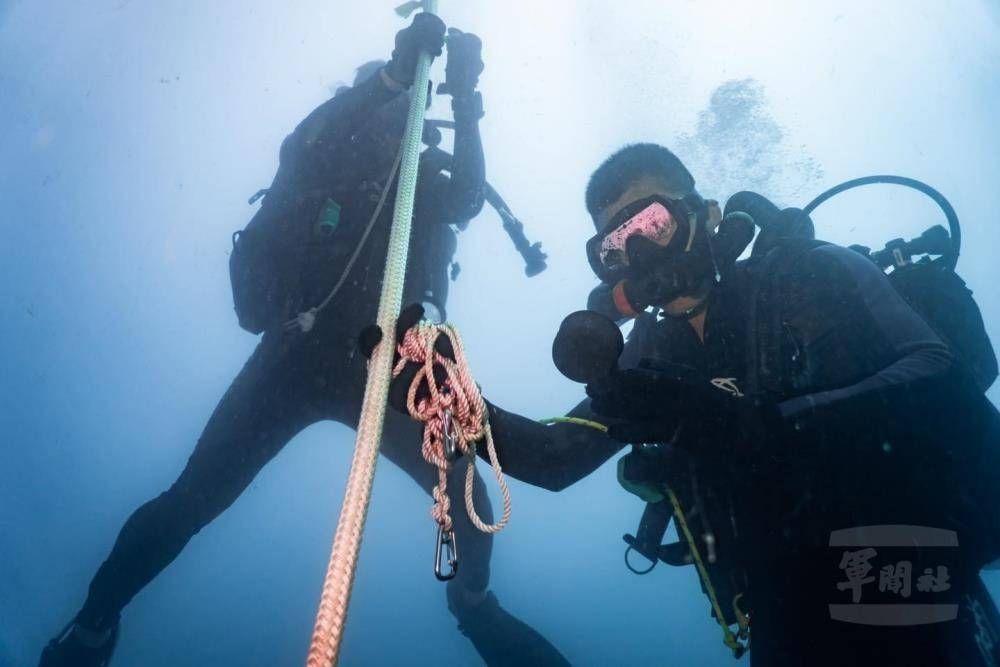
262 410
499 637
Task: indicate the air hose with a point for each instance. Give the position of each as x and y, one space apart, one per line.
954 229
332 614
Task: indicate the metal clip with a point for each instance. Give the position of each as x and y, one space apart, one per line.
450 439
446 543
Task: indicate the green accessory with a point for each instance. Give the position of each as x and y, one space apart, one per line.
329 218
647 492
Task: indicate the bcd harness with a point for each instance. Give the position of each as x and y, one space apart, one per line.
263 263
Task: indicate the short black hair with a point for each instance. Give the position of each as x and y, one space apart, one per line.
630 164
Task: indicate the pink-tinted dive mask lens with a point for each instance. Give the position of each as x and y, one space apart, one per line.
653 222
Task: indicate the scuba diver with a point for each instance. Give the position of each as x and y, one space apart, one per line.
816 441
306 272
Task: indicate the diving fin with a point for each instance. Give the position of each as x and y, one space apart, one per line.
77 646
501 639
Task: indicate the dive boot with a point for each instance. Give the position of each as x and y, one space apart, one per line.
77 646
501 639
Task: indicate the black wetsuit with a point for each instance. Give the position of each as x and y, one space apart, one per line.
294 379
878 426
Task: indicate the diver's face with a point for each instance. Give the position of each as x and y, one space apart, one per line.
642 189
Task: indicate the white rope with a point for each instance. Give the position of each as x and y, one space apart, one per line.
470 476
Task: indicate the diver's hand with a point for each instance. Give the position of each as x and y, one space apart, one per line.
644 392
643 404
371 335
465 64
399 388
659 403
426 33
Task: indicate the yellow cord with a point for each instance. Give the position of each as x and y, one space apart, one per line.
728 638
575 420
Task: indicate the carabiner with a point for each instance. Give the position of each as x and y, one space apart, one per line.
450 439
446 543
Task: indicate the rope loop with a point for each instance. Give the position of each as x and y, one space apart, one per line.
456 399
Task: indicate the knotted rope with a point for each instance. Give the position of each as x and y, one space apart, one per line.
453 402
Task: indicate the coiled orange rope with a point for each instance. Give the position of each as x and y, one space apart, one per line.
456 399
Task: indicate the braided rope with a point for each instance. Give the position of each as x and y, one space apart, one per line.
459 395
332 613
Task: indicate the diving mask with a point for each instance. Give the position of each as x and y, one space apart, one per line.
654 221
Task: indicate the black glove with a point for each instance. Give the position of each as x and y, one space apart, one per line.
659 402
465 64
372 335
643 392
426 33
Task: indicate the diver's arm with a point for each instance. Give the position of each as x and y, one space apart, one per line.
552 457
850 304
556 456
460 198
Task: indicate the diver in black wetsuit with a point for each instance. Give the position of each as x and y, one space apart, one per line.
307 371
796 393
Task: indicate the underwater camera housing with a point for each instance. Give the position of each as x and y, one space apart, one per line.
587 346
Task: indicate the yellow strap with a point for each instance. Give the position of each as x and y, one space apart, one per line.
728 638
575 420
